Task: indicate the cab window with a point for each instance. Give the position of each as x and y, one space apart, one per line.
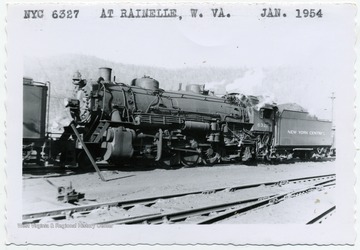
266 113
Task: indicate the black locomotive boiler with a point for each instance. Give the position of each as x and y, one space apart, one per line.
140 122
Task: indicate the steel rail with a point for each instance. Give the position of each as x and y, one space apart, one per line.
318 219
267 202
183 215
126 204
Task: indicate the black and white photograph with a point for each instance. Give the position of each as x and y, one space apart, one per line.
187 123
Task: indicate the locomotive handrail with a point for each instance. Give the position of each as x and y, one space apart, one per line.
198 97
188 95
186 112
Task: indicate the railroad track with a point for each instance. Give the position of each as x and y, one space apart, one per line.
237 207
217 212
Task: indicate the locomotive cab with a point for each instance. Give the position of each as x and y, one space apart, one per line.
267 113
264 119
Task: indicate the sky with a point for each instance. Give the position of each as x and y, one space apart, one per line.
303 57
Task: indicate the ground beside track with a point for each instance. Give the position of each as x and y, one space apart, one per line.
38 195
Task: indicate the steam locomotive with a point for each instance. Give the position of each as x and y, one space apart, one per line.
140 122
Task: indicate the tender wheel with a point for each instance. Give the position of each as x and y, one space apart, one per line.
304 156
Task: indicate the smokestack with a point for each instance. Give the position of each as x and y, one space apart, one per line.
105 73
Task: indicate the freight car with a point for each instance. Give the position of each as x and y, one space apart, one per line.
139 122
35 114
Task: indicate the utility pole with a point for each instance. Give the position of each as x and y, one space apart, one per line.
332 97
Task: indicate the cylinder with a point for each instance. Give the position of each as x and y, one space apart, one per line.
190 125
105 73
120 145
